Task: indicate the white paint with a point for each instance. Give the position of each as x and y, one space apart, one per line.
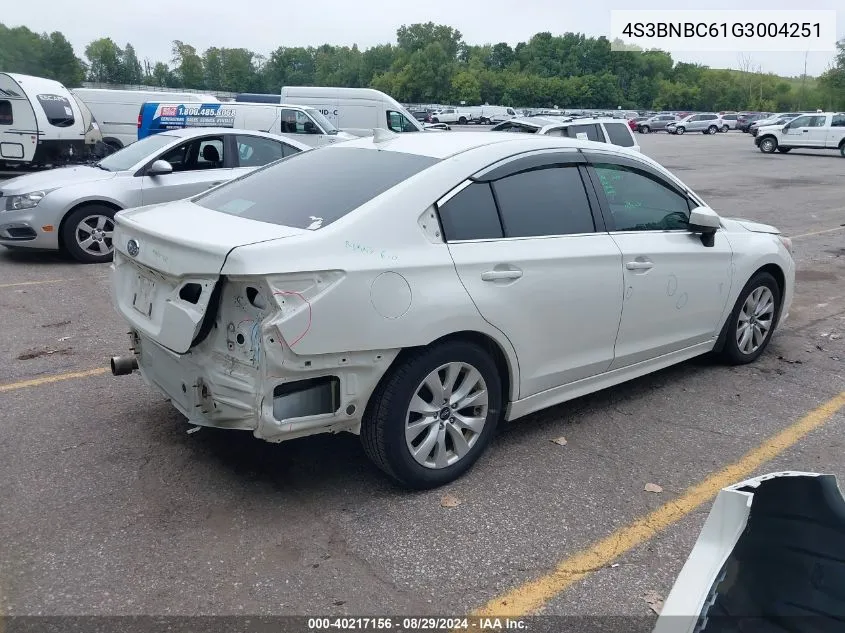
391 295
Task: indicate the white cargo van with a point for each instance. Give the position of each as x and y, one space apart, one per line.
116 111
354 110
41 123
301 123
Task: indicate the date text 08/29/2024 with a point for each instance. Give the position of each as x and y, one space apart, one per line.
416 624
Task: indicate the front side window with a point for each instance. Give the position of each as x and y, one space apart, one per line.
257 151
297 122
470 214
801 121
6 117
640 201
619 134
398 122
541 202
58 110
204 153
131 155
293 192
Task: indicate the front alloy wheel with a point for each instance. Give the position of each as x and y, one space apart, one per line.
753 319
87 234
768 145
680 130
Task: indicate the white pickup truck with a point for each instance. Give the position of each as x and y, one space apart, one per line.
822 130
452 115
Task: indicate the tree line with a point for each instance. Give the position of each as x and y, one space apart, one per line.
431 63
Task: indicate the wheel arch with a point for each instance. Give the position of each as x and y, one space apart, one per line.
80 205
502 354
780 278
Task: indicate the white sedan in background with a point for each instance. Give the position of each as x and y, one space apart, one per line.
72 208
435 285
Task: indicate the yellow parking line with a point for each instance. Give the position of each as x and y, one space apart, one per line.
838 228
32 283
46 380
529 597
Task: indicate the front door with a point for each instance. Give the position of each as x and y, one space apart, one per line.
18 126
198 164
298 125
676 288
544 275
806 131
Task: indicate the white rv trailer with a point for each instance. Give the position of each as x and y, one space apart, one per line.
41 123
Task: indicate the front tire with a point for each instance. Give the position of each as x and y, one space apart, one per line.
644 129
752 321
680 130
768 144
725 129
712 129
433 416
87 234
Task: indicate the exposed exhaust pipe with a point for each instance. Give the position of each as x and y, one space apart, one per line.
123 365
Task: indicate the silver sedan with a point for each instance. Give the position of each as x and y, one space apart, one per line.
72 208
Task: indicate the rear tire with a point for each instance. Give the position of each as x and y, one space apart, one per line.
644 129
842 149
462 121
87 234
725 129
441 456
758 303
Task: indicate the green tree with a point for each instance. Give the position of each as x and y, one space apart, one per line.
187 65
60 62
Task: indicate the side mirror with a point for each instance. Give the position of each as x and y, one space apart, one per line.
704 220
160 168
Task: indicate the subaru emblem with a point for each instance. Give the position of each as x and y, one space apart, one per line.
133 248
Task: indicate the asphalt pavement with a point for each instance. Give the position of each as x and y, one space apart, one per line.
109 507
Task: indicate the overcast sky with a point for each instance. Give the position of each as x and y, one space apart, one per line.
264 25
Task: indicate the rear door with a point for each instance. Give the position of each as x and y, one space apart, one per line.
534 256
836 131
198 164
18 126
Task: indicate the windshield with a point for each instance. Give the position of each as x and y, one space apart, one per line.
133 154
322 121
294 192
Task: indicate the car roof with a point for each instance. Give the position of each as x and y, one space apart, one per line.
192 132
442 145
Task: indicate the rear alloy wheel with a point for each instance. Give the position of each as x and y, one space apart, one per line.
433 416
680 130
725 129
752 322
87 234
768 145
842 149
644 129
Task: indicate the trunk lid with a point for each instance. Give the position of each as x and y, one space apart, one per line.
167 265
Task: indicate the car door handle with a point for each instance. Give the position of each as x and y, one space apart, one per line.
496 275
639 265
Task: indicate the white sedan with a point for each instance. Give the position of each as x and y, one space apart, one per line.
417 289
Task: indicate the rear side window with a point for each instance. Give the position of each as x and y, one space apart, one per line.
58 110
315 188
550 201
591 130
619 134
257 151
6 113
471 214
838 119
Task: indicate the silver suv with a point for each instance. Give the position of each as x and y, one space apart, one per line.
704 123
656 123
